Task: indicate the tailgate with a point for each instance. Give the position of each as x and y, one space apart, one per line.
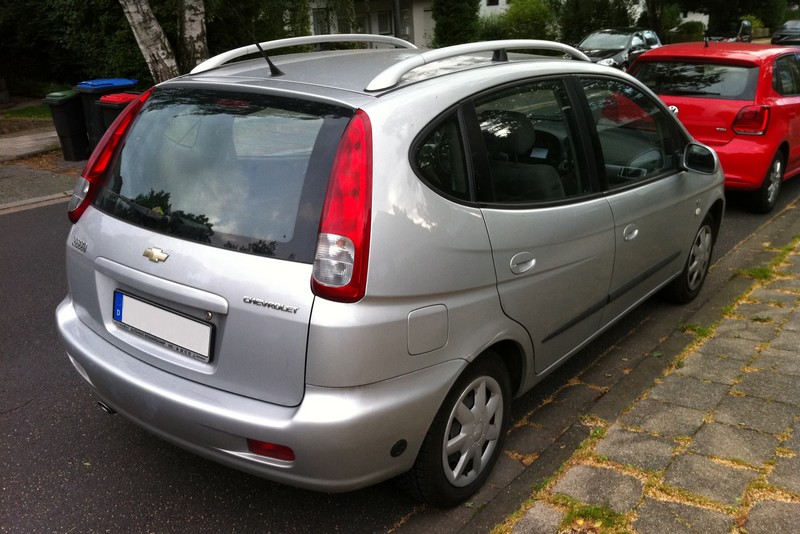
232 321
196 253
709 121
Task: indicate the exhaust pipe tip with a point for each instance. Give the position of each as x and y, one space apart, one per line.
106 408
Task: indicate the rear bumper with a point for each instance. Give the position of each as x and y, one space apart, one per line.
341 437
745 162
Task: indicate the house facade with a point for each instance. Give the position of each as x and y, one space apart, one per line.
408 19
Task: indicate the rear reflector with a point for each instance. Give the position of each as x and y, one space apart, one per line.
270 450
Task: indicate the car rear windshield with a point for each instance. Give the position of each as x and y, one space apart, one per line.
246 172
704 80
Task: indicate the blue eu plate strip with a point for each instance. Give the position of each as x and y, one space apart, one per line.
118 305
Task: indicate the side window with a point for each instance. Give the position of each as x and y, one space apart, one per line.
637 41
651 39
529 144
638 140
439 159
786 75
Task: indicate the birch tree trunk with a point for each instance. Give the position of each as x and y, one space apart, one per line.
157 52
194 46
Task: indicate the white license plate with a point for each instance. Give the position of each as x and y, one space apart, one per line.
177 332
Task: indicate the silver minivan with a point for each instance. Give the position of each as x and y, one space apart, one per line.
337 267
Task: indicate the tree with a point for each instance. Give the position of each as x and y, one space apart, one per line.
156 49
456 21
194 46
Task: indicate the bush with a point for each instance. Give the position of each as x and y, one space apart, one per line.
530 19
491 27
457 21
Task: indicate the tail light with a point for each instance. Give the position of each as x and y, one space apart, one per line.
340 263
98 162
751 120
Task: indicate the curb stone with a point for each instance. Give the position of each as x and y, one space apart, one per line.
714 445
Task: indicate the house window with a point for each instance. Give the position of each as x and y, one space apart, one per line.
362 23
320 20
492 2
343 25
385 23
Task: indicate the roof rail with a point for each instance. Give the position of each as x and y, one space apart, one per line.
391 76
223 58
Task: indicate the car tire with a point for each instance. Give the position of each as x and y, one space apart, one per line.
689 283
763 199
465 438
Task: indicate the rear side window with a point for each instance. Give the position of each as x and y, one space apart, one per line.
244 172
786 75
703 80
440 159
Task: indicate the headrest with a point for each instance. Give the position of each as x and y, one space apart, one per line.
510 132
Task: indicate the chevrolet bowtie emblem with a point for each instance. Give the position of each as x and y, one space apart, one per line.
155 254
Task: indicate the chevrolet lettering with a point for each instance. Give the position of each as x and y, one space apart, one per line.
271 305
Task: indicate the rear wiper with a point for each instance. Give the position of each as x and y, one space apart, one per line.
142 210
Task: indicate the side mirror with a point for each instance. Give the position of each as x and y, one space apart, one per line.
745 31
700 158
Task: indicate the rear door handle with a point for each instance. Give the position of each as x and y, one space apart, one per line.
522 262
630 232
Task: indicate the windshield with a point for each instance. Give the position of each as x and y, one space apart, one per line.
791 25
240 171
605 41
712 80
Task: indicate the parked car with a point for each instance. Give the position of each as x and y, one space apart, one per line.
740 31
740 99
790 31
335 268
618 47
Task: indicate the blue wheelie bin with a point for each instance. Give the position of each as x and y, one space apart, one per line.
91 91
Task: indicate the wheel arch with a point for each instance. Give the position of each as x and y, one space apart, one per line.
513 357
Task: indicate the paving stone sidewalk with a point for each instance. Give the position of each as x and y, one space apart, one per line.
712 447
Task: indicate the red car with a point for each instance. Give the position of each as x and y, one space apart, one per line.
741 99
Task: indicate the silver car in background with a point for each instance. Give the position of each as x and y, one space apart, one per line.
334 268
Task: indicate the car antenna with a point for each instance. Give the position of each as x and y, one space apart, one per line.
273 70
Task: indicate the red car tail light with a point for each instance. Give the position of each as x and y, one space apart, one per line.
340 262
751 120
98 162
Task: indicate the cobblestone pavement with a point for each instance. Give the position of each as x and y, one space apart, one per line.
712 447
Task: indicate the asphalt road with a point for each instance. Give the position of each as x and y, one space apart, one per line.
66 466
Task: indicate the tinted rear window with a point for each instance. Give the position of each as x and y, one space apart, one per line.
245 172
704 80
